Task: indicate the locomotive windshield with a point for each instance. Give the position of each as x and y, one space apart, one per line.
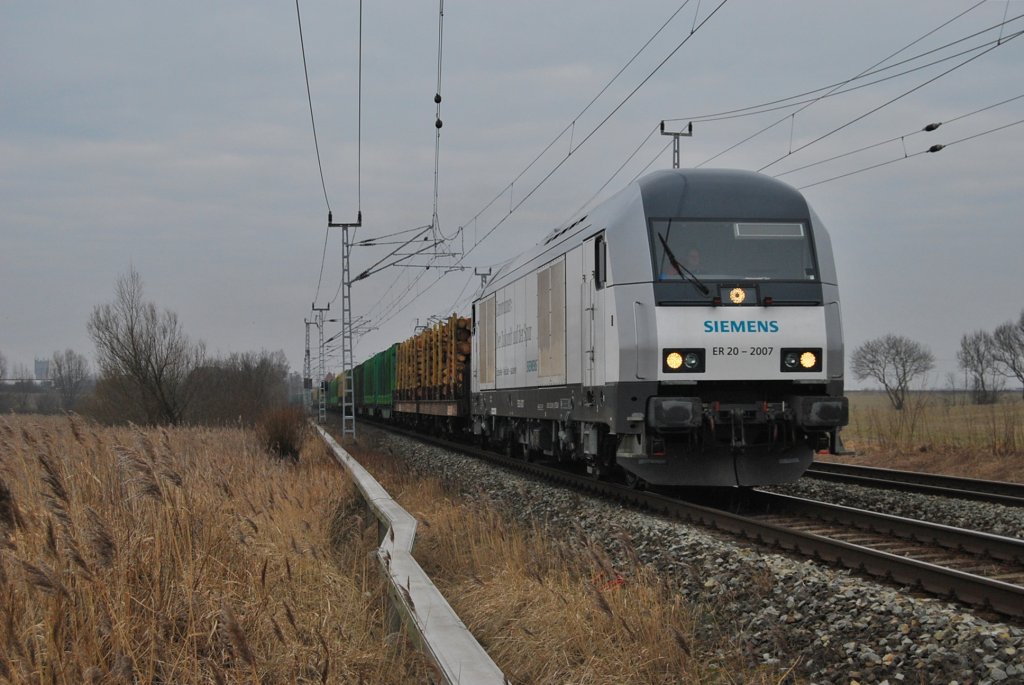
732 250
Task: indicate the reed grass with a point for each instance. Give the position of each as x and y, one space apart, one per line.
184 555
191 555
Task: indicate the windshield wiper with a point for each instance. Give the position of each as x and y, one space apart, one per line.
683 272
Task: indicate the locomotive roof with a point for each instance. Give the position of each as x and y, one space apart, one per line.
719 193
690 193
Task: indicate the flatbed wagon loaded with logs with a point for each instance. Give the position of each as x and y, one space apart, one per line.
432 370
423 380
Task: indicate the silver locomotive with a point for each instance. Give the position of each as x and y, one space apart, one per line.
684 332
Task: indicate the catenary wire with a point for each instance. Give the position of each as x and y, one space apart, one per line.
359 154
636 151
895 138
834 87
316 145
843 91
570 126
309 98
622 166
932 149
871 167
839 85
435 222
359 124
596 128
889 102
727 114
757 133
507 188
323 260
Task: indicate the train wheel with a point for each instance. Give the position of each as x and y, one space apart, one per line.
558 453
601 465
598 468
634 481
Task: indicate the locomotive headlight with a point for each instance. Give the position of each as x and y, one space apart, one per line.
682 360
800 359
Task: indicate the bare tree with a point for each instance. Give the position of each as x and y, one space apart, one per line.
1008 350
240 387
894 361
3 365
146 351
69 372
977 358
23 376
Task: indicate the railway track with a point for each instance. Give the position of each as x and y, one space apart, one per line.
971 567
993 492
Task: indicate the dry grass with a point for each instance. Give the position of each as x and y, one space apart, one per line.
193 556
549 613
185 556
938 433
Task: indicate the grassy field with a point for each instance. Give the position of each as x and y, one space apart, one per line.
938 433
191 555
184 556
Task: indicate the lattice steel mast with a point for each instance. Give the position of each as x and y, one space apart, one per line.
348 405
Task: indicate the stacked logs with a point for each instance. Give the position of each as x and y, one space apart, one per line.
434 364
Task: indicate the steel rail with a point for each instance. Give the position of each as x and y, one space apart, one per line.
1002 597
995 492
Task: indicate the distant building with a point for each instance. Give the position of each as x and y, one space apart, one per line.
42 369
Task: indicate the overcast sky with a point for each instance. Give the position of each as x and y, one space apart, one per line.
175 138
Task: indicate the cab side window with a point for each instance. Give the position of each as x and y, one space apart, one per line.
600 262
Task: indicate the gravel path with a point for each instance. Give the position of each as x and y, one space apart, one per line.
842 628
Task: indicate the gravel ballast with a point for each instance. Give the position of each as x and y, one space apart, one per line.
837 627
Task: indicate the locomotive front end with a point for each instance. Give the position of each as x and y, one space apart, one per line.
747 335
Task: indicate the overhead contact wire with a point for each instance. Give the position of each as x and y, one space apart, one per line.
571 125
359 123
760 108
932 149
895 138
309 98
316 145
889 102
599 126
841 84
